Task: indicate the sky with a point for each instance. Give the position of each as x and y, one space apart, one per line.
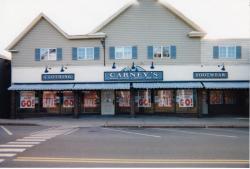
219 18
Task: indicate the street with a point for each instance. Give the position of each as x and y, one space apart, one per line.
39 146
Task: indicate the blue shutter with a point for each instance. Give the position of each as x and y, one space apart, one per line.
59 53
150 52
96 53
134 52
112 52
37 54
74 53
173 52
238 52
216 52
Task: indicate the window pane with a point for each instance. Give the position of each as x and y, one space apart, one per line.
216 97
44 54
81 53
231 52
52 54
223 51
89 53
166 51
127 53
157 51
118 53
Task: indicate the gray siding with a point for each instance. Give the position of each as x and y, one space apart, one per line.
207 51
150 23
44 35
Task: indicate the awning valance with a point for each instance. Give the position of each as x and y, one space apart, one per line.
41 87
175 85
100 86
226 85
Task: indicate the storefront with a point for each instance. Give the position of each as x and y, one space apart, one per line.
133 92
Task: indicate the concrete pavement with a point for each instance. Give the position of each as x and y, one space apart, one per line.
139 121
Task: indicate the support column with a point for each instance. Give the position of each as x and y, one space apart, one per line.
132 102
204 103
13 107
76 104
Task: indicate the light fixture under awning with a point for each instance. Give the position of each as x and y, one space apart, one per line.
175 85
41 87
226 85
100 86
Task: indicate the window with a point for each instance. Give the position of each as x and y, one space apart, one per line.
86 53
123 53
161 51
48 54
227 52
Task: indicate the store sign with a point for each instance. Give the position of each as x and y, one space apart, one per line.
53 77
210 75
27 100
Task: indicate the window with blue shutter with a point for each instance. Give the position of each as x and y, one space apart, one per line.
59 54
173 52
238 52
74 53
37 54
216 52
96 53
134 52
112 52
150 52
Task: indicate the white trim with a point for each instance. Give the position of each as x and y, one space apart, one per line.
162 46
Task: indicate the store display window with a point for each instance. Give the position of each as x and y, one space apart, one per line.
164 100
123 102
91 102
186 101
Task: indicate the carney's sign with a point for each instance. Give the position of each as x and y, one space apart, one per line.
54 77
128 75
210 75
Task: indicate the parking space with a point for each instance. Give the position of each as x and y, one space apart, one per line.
126 147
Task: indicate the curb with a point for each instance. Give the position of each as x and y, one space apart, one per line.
19 124
176 126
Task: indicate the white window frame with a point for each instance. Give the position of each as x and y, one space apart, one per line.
123 57
227 52
162 47
48 54
85 53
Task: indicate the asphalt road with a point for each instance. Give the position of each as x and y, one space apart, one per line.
36 146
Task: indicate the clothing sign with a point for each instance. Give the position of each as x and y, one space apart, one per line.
185 98
53 77
27 100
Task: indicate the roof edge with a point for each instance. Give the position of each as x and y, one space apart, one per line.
182 17
112 17
67 36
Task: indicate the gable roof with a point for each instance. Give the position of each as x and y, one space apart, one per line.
199 32
43 16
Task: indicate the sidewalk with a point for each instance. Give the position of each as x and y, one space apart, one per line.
140 121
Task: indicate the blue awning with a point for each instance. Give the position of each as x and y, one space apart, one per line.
100 86
175 85
41 87
226 85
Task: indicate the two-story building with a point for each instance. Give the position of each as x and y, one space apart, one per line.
147 58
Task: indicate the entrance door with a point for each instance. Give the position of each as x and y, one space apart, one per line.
108 102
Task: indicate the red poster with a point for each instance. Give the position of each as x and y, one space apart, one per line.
27 100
